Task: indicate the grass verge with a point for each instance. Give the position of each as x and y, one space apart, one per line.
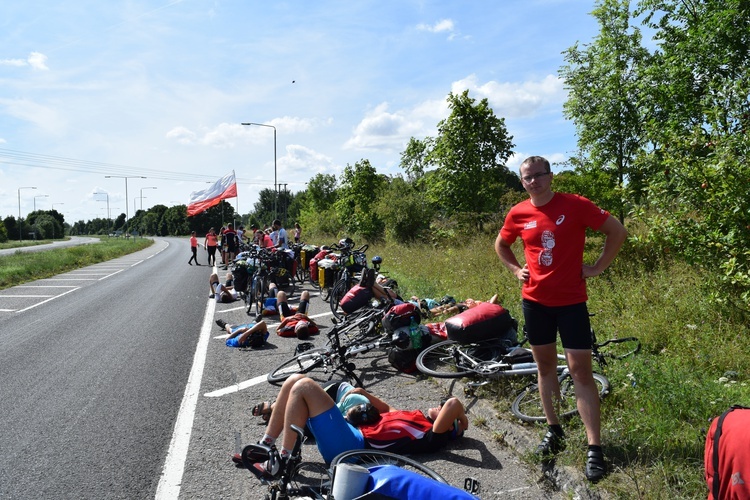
22 267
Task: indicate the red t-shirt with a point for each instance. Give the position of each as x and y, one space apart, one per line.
396 430
554 236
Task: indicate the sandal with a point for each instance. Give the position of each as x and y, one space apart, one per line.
595 468
263 410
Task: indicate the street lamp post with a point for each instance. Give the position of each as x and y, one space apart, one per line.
20 226
126 177
39 196
276 193
151 187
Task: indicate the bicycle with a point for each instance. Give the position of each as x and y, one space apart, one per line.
270 269
528 404
358 328
352 262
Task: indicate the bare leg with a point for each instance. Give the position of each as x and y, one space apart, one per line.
549 388
451 411
587 395
307 399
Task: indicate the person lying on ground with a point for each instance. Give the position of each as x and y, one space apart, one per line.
220 292
295 322
446 306
245 335
301 401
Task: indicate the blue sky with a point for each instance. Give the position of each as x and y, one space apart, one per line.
159 89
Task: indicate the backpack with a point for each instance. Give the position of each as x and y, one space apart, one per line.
727 460
401 315
405 360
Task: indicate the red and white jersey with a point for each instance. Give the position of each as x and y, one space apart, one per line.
554 236
396 430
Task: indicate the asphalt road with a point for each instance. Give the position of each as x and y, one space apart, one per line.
118 384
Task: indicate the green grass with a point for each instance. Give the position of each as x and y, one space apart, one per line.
694 363
23 267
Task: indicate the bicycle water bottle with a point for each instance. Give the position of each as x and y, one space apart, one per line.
415 334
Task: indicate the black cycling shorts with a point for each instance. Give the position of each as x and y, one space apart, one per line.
543 323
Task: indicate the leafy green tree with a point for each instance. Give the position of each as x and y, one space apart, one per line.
466 160
361 185
11 227
699 86
321 192
405 211
3 234
605 96
46 227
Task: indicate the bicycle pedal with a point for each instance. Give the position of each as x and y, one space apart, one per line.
472 485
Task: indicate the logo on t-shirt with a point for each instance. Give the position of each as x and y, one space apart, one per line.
560 220
530 225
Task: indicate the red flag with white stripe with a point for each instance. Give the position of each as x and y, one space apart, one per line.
224 188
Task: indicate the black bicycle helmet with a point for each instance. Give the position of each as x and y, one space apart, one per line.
401 338
346 242
377 260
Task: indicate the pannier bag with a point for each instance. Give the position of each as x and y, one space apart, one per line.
356 297
241 276
327 272
727 455
400 315
404 359
306 255
485 321
314 262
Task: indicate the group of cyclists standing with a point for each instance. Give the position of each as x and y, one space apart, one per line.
228 241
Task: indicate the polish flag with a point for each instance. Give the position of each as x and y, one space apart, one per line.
224 188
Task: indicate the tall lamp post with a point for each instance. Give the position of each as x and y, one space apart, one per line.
20 226
276 193
126 177
151 187
39 196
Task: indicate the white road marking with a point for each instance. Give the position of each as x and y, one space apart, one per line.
25 296
45 301
260 379
174 464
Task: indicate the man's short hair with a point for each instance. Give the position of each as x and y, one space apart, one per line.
302 329
536 159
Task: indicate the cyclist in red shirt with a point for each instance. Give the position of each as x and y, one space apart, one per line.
302 401
553 227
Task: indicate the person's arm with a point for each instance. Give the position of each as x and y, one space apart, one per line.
615 236
378 403
508 258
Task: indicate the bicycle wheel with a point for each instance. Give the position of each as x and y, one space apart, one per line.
619 348
310 481
371 458
442 360
337 293
259 293
302 363
528 405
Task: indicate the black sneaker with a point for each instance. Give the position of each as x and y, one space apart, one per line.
221 323
595 467
273 467
551 444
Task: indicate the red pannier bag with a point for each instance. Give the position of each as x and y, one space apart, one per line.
727 455
401 315
314 263
484 321
356 297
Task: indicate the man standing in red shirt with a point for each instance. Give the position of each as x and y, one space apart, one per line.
553 227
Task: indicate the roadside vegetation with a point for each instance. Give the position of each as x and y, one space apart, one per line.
694 362
22 267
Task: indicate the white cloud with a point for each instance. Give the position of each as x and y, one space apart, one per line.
439 27
43 117
36 60
514 100
228 135
301 162
383 130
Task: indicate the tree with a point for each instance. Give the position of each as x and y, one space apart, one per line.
321 192
406 212
605 96
467 159
358 193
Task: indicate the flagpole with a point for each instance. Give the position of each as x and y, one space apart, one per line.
237 198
